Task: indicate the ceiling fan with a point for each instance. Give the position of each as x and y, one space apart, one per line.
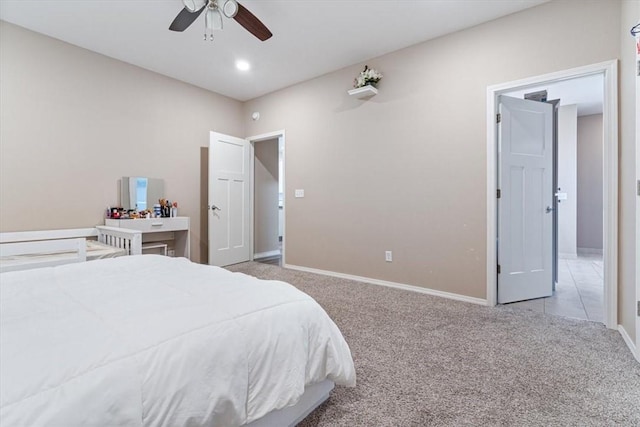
213 17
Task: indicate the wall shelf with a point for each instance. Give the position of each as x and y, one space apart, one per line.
363 92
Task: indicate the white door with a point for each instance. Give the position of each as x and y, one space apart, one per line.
229 203
525 171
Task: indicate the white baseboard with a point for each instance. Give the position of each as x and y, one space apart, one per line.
266 254
629 342
589 251
412 288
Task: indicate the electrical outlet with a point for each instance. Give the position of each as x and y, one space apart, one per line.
171 252
388 256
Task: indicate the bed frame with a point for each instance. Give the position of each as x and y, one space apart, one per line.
67 240
314 395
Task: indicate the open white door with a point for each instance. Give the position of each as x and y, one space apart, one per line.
525 203
229 202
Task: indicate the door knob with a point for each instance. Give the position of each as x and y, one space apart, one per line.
214 208
549 209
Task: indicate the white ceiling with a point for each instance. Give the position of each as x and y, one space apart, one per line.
310 37
587 92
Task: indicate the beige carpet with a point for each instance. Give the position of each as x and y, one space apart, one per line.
428 361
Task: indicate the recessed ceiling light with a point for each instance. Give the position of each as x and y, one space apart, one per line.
242 65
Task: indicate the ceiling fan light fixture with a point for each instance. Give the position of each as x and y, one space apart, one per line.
194 5
230 8
213 19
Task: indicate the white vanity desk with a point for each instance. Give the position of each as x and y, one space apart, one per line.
174 232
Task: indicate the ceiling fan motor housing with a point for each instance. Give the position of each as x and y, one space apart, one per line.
228 7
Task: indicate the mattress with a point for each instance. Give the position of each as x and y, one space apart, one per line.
95 250
156 341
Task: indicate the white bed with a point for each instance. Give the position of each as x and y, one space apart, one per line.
34 249
157 341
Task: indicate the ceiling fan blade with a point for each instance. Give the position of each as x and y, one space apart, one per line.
252 24
184 19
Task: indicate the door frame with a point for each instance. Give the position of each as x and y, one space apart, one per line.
280 134
609 71
637 212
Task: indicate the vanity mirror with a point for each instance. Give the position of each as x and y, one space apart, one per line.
140 193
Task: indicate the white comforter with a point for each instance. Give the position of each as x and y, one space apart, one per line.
157 341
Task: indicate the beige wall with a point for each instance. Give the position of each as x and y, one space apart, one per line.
590 153
568 180
266 196
403 171
628 216
74 122
406 169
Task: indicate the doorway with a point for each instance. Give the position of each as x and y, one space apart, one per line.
268 197
608 73
229 194
577 208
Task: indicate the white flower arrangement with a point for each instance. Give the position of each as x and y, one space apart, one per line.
368 76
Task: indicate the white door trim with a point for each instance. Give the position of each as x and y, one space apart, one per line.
637 105
609 70
280 134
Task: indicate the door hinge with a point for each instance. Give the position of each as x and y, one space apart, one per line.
498 193
498 268
638 308
498 118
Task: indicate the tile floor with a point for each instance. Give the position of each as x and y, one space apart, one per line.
579 292
275 260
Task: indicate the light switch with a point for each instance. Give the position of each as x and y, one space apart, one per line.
299 193
561 196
